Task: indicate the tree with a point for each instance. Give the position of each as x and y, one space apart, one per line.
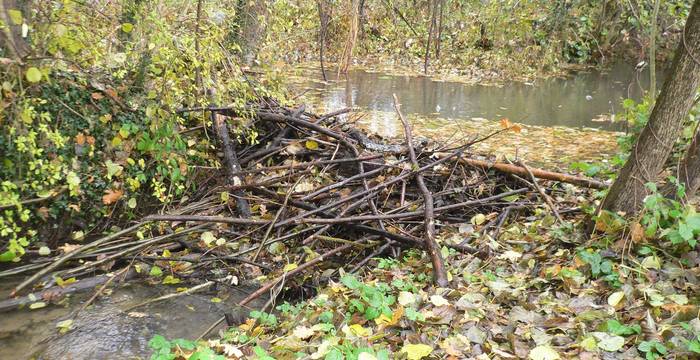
689 167
665 124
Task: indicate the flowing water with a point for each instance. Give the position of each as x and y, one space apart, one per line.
107 329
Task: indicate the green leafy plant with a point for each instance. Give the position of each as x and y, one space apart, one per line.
372 301
652 349
600 267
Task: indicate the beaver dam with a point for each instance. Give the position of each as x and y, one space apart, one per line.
314 196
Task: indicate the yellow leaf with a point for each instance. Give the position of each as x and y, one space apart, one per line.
416 351
615 298
382 320
311 145
215 300
33 75
290 267
358 330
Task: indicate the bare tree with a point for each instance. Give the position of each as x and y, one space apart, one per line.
665 123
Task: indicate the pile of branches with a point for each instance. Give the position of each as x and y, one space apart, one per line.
324 186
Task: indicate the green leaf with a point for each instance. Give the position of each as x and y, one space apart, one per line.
159 342
351 282
156 271
7 256
33 75
171 280
127 27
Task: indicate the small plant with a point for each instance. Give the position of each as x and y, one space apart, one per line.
652 349
372 301
600 267
668 218
617 328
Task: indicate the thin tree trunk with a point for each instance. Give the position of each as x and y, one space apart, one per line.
323 18
652 51
689 169
438 38
665 124
433 12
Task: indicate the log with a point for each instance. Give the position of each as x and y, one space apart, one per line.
538 173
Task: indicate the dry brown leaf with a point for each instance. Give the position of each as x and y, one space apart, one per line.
97 96
637 232
80 139
111 196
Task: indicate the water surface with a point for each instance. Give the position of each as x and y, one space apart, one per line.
577 101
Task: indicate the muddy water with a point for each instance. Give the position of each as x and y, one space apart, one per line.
105 330
578 101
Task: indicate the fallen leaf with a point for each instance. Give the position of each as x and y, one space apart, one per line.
416 351
112 196
543 352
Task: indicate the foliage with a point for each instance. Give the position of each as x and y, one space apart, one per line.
91 136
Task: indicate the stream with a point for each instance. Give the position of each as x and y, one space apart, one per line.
107 329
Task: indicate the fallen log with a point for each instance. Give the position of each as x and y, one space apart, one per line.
538 173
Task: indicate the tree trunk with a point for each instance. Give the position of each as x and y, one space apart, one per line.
11 36
665 124
689 168
323 19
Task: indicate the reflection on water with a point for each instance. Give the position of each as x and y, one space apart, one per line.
571 102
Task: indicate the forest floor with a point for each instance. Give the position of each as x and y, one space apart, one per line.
539 288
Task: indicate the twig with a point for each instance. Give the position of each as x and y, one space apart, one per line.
71 254
439 272
173 295
544 196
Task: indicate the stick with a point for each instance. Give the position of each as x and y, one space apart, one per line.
439 272
293 272
232 164
411 214
544 196
71 254
539 173
173 295
213 219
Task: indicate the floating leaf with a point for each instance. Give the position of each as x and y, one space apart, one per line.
64 325
416 351
37 305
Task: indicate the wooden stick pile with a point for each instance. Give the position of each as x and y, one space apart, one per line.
325 190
